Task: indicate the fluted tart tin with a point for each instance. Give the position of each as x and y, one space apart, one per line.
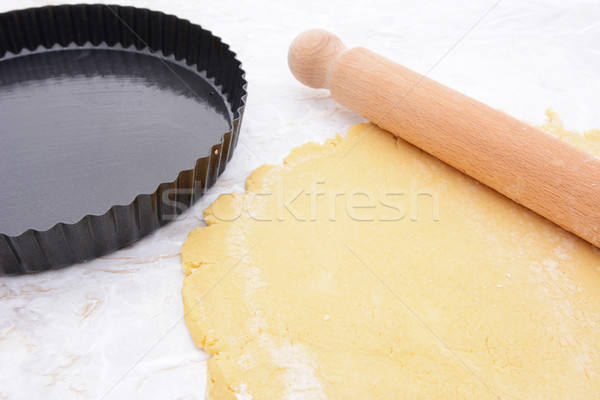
113 121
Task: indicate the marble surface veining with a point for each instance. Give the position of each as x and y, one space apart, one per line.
112 328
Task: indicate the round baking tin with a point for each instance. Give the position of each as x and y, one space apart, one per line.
113 121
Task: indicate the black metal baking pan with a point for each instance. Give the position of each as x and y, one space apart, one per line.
113 121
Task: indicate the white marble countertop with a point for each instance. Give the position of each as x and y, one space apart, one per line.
112 328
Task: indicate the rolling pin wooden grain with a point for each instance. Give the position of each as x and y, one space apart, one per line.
537 170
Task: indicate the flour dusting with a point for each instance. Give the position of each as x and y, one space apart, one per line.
300 379
242 393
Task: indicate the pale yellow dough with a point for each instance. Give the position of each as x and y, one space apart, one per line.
467 296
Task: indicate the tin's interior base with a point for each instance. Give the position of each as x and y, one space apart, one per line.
85 129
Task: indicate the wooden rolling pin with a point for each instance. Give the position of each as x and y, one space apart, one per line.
537 170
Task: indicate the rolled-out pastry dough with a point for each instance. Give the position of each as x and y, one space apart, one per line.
413 282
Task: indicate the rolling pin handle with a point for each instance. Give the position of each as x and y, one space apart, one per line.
312 57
